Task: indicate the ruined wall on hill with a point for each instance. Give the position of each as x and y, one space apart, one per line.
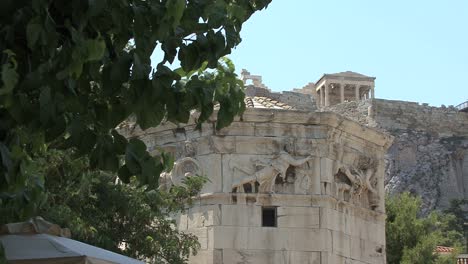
300 101
429 155
400 115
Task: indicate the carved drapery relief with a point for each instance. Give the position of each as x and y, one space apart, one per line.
263 174
303 180
358 183
184 167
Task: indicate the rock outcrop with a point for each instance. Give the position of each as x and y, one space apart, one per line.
429 155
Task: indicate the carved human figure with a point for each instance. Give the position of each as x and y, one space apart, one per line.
189 149
289 145
266 176
303 181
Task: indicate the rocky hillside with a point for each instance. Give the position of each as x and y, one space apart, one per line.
429 155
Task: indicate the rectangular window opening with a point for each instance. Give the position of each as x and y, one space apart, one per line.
269 217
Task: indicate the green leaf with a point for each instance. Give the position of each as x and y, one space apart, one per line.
224 118
75 69
150 115
47 108
103 157
189 57
117 73
175 10
33 31
170 47
9 77
124 174
57 128
134 154
95 49
232 37
216 13
96 6
6 161
140 68
120 142
237 12
181 72
81 137
150 171
86 141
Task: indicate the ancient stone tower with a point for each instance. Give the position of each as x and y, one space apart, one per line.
286 185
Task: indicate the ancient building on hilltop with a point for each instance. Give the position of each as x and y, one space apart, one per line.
342 87
285 185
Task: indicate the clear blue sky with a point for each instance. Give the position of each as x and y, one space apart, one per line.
418 50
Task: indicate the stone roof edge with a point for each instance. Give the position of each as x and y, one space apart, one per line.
331 119
265 115
355 78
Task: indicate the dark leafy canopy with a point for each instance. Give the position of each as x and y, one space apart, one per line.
72 70
412 239
125 218
457 208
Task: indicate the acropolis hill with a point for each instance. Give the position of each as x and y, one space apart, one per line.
302 175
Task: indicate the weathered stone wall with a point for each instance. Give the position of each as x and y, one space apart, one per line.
329 200
429 155
399 115
300 101
356 111
314 231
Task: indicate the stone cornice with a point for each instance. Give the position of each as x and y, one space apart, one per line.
253 115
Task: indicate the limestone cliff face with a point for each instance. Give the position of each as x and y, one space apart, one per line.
428 165
429 155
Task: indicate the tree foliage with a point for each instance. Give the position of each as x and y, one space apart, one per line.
411 238
457 209
125 218
71 71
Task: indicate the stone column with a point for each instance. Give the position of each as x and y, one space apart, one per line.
327 96
315 181
380 172
318 98
372 92
322 97
342 86
357 92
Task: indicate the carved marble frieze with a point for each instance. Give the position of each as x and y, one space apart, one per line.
261 175
316 176
357 183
